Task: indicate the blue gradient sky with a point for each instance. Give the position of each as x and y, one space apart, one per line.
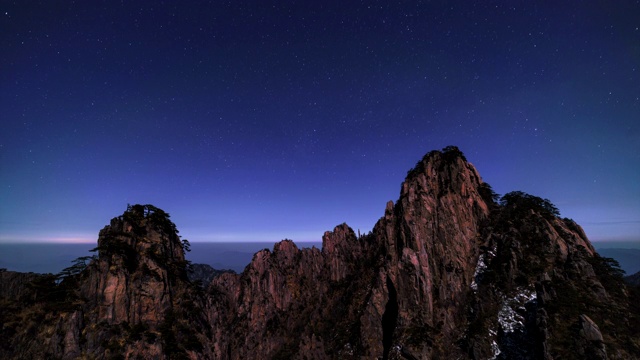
258 121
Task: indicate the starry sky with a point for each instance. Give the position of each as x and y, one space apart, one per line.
264 120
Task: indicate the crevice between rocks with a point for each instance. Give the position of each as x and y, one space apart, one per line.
389 319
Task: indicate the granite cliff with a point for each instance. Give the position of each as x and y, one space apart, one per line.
450 271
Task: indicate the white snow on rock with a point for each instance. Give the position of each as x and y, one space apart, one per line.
481 267
496 350
508 317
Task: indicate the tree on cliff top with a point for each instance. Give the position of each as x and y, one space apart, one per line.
519 201
158 217
449 154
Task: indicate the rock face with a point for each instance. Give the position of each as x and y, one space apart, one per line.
448 272
132 299
204 273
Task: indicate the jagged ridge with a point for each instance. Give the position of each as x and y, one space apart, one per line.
447 272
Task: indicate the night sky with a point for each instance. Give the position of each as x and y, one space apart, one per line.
258 121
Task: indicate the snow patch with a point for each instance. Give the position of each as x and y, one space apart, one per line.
481 267
509 316
496 349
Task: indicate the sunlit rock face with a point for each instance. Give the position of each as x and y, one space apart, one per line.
447 272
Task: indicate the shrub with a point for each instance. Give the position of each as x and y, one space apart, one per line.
519 202
488 195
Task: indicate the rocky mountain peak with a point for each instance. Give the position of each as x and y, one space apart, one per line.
451 270
140 265
441 172
340 248
142 231
431 238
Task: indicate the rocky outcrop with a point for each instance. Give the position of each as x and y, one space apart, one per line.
430 238
15 285
120 265
590 340
132 299
447 272
204 273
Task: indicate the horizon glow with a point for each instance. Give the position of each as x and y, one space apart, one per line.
263 127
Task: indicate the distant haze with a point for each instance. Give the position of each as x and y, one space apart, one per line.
52 257
626 253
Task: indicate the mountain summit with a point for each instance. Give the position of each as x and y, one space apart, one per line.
450 271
